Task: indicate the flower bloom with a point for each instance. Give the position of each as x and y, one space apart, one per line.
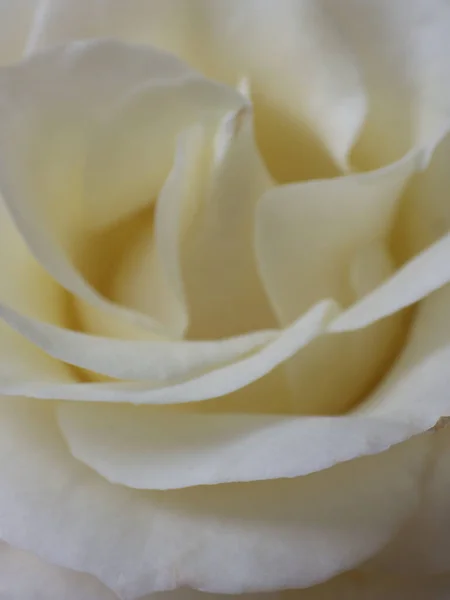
224 298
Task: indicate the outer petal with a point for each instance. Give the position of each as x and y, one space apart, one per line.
402 49
144 448
16 19
312 81
223 287
46 128
424 214
230 538
330 239
324 49
23 576
358 585
25 285
227 378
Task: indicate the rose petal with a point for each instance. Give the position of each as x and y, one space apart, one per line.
423 544
147 449
425 273
312 81
190 594
307 233
358 585
416 388
149 278
45 129
416 391
113 359
25 285
424 214
229 538
155 362
161 22
402 50
310 239
24 576
223 287
16 19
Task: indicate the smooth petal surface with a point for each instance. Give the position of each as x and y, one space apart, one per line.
223 287
416 388
358 585
23 576
320 239
230 538
212 384
45 133
16 19
311 82
402 49
325 50
149 277
155 362
423 543
25 285
145 449
308 233
161 22
424 214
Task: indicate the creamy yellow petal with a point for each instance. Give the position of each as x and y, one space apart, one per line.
423 545
16 21
143 448
25 285
229 538
25 576
359 585
223 288
416 388
46 132
316 240
402 48
424 214
148 277
309 97
106 357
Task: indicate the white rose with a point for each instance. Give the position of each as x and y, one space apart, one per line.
224 299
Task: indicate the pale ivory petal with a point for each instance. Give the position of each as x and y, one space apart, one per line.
25 285
16 20
166 23
304 82
223 287
148 277
402 48
24 576
416 388
46 130
190 594
315 240
117 359
228 538
424 214
423 544
358 585
143 448
411 400
417 391
425 273
308 233
310 88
